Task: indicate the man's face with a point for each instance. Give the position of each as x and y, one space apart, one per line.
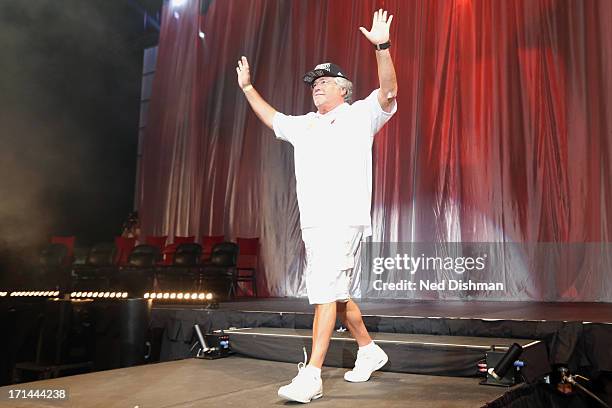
327 94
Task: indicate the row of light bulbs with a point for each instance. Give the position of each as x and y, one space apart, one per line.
178 296
46 293
115 295
104 295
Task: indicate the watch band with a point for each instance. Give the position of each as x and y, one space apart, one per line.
384 46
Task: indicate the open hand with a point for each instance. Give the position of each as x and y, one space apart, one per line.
244 75
379 33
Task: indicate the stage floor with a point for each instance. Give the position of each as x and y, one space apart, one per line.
552 311
244 382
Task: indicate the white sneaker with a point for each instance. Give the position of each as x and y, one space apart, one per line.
367 362
305 387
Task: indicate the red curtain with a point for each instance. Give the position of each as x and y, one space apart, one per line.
503 133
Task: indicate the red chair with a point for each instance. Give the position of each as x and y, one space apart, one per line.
124 249
208 242
184 240
157 241
248 260
68 241
170 249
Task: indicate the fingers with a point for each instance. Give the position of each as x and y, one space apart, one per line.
380 16
389 21
243 67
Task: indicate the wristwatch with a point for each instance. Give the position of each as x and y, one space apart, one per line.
384 46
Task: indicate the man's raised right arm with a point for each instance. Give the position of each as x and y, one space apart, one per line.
262 109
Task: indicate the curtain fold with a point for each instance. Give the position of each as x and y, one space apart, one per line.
503 132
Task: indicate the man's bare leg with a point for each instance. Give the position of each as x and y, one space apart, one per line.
322 329
350 315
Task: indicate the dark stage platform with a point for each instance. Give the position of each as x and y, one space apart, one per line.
576 334
244 382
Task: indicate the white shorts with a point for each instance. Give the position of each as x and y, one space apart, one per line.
330 258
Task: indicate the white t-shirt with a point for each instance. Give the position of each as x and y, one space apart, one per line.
333 161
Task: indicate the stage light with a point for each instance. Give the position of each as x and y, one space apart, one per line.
194 296
112 294
179 296
56 293
95 294
89 294
173 296
201 296
506 362
166 296
201 34
146 295
209 296
124 295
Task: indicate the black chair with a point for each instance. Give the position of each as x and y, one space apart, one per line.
144 256
183 273
139 273
219 274
188 255
99 269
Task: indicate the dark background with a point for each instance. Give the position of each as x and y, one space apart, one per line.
70 77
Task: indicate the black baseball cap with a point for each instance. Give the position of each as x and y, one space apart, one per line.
326 69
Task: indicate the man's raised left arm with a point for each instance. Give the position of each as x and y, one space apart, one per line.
379 37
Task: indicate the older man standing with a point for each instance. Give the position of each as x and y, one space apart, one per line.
333 169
